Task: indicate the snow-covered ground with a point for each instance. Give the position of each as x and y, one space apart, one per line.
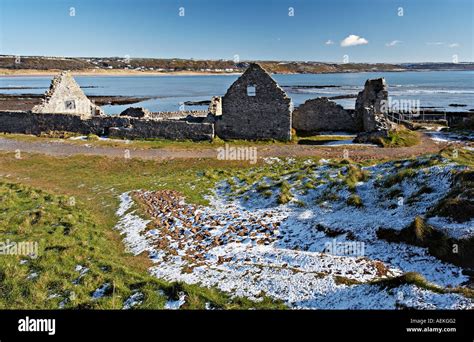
322 255
464 138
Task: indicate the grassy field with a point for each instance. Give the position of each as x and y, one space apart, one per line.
68 206
94 140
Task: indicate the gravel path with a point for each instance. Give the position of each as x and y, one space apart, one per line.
60 148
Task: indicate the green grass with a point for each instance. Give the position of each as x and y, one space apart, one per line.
459 155
458 204
157 143
355 175
355 201
83 233
398 177
285 195
413 278
402 138
419 233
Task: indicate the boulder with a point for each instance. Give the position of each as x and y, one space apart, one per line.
136 112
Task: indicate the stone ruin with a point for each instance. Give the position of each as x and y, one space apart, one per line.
64 96
215 107
369 108
369 105
368 118
255 107
321 114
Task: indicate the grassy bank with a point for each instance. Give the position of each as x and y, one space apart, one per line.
71 218
94 140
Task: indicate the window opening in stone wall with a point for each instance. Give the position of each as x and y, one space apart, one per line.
251 90
70 104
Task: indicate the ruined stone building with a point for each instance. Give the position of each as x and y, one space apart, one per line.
321 114
255 107
66 97
66 108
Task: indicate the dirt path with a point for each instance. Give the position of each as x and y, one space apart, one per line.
60 148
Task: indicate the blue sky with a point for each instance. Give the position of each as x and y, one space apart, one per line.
369 30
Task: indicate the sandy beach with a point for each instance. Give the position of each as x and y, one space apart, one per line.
106 72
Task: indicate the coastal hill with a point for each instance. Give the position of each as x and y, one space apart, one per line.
11 64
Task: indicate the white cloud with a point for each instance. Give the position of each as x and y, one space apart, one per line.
451 45
393 43
353 40
329 42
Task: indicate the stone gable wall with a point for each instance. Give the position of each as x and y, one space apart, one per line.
267 115
66 97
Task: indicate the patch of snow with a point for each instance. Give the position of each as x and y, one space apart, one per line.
134 300
176 304
32 276
453 229
100 292
132 226
254 247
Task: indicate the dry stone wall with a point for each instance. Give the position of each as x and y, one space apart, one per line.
119 126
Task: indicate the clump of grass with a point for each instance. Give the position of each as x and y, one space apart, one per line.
57 135
398 177
285 195
419 233
414 278
355 175
459 202
355 201
261 187
425 189
91 136
327 196
459 155
400 138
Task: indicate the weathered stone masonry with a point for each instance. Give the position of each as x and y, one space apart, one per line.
66 108
117 126
321 114
66 97
255 107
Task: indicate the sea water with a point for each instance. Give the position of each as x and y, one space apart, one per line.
433 89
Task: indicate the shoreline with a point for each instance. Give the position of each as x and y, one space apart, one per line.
104 72
134 73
